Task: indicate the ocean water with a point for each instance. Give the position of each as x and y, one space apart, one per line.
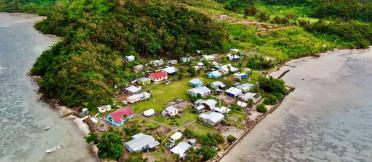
22 115
327 118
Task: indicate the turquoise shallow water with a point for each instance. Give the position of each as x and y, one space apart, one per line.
22 115
327 118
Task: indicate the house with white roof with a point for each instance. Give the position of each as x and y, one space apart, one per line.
209 103
246 87
185 59
222 110
129 58
209 57
211 118
224 69
149 112
172 62
141 142
170 69
157 62
240 76
175 136
217 85
137 68
104 108
201 91
170 111
247 96
138 97
133 89
181 149
233 57
233 92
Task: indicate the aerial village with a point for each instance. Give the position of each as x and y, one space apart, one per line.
175 103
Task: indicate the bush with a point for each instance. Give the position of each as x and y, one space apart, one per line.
258 62
207 152
231 139
273 86
189 133
261 108
110 146
270 99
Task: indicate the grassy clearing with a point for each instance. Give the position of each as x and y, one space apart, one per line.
282 44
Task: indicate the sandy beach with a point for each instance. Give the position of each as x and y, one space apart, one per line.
324 119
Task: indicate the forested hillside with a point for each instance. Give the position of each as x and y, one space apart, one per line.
84 68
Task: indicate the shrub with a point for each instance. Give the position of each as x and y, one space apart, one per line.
231 139
261 108
270 99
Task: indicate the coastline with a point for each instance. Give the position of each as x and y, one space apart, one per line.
84 128
280 72
54 104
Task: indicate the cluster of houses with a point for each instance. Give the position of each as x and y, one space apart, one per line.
209 110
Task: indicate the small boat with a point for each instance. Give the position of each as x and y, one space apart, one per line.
49 126
54 149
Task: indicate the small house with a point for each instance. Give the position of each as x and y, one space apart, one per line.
170 70
144 81
172 62
233 69
240 76
138 68
104 108
211 118
133 89
141 142
217 85
200 65
214 74
247 96
158 76
241 104
118 117
201 91
185 59
233 92
222 110
210 103
209 57
195 83
157 62
170 111
181 149
246 87
224 69
176 136
149 112
199 107
129 58
138 97
233 57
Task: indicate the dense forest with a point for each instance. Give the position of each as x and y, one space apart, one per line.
84 68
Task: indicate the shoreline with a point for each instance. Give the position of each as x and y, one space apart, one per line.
280 72
67 113
84 127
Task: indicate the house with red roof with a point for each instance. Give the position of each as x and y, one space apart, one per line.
118 117
158 76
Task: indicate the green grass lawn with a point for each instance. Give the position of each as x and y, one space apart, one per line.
161 94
